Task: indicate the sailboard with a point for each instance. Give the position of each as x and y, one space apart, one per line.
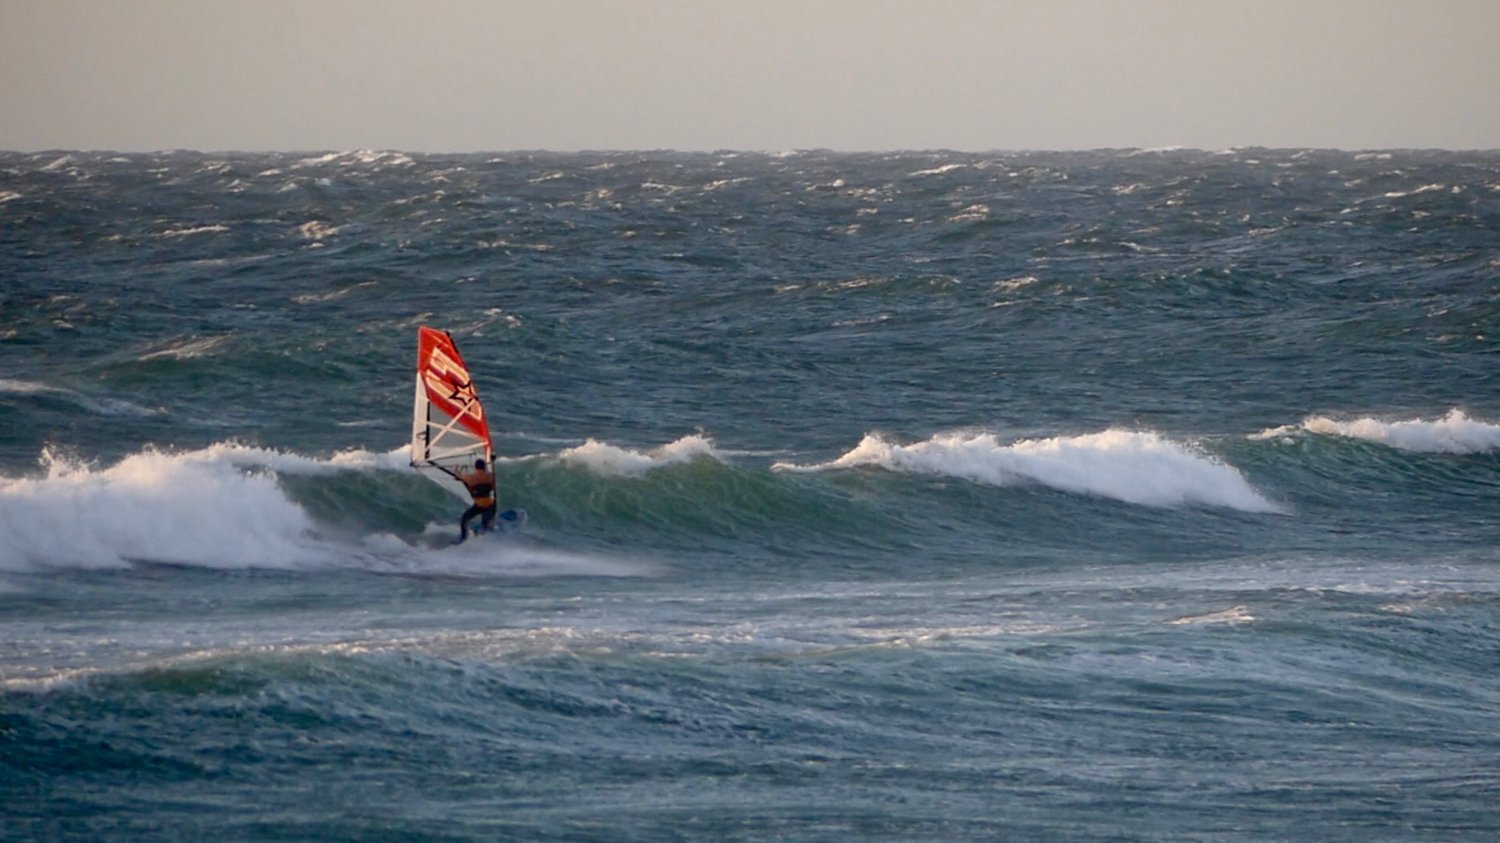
448 428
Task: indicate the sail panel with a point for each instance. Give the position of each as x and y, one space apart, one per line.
449 430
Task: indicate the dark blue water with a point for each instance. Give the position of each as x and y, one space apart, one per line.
1053 496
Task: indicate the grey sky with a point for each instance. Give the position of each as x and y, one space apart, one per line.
461 75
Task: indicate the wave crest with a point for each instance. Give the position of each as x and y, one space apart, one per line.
1454 433
1138 467
199 508
603 458
234 506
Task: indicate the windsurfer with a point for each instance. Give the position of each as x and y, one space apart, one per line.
481 485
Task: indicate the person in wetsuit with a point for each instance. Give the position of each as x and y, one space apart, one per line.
481 484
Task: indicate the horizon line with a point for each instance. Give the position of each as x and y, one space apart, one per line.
798 150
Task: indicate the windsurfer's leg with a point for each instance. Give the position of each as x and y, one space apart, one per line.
463 523
489 517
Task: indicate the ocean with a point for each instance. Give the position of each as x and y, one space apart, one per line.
1112 495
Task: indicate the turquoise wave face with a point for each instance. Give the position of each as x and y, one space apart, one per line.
961 500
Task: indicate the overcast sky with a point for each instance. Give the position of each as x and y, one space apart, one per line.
467 75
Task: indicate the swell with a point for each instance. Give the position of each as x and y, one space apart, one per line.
1297 688
954 494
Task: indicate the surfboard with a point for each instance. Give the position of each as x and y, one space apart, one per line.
509 521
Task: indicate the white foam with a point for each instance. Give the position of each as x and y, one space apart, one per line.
392 158
1138 467
1010 285
315 162
189 231
189 348
1282 432
57 164
603 458
974 213
495 556
219 506
939 170
668 189
316 230
396 459
20 387
719 184
1454 433
151 506
1233 616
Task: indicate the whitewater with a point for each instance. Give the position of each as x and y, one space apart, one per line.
1113 495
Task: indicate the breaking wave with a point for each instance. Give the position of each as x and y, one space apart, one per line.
1137 467
603 458
1454 433
198 508
232 506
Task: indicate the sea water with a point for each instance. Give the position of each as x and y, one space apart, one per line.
921 496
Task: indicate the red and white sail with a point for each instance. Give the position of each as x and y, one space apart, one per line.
448 429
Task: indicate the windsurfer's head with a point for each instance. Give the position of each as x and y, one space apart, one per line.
479 465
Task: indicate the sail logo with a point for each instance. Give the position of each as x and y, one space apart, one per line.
448 382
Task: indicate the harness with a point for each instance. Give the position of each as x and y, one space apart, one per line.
483 492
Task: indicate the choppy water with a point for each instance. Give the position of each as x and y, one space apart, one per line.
1085 496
